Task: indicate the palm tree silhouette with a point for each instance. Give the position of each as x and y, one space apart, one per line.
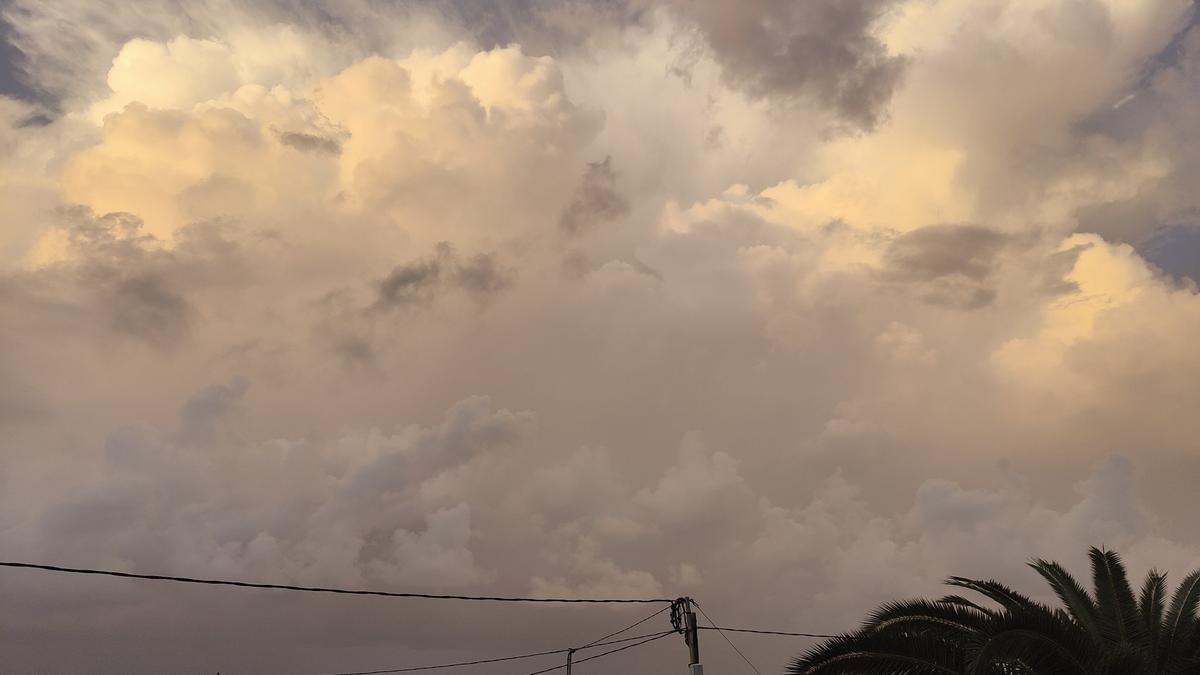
1105 632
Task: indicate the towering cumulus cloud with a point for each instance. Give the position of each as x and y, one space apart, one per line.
788 307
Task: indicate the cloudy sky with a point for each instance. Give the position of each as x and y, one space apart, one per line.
790 307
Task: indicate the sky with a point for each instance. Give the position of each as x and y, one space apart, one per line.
793 308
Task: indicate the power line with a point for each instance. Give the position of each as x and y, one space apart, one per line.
499 659
454 665
319 589
714 625
630 642
631 626
766 632
650 638
597 643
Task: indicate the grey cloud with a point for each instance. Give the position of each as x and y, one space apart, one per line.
822 49
19 404
310 142
950 265
483 276
1160 220
13 64
109 238
1054 269
350 328
87 516
354 348
1122 220
128 281
1173 54
576 265
200 416
540 26
1175 250
418 282
373 492
116 280
468 429
343 326
596 201
146 306
943 250
413 282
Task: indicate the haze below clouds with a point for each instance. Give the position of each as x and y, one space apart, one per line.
791 308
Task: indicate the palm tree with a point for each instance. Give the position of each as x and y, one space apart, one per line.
1105 632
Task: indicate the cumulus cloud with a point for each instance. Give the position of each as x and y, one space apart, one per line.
333 529
494 300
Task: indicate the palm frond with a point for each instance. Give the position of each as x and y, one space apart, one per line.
1107 631
964 602
1151 604
1079 604
880 653
1179 626
1044 640
1119 619
1033 651
922 615
994 591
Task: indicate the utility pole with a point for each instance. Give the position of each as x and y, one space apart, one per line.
570 657
692 638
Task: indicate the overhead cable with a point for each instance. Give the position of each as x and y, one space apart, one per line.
652 638
412 669
766 632
319 589
714 625
631 626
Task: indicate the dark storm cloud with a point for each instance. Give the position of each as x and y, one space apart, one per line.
596 201
949 265
821 49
